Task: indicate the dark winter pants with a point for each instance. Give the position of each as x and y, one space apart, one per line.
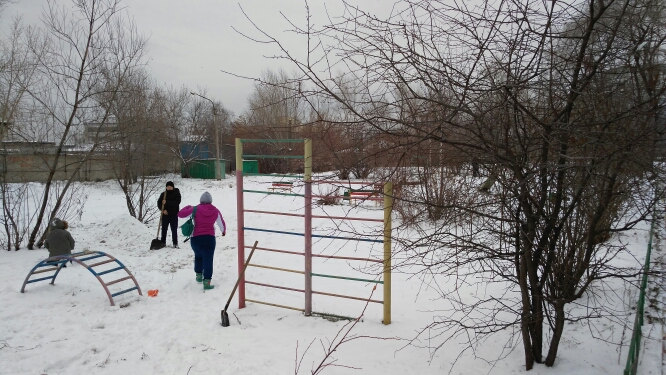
204 250
171 220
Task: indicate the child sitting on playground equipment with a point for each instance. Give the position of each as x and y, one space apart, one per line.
59 241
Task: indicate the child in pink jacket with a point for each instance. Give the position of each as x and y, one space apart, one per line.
203 237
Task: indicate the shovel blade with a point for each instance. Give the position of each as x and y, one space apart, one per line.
156 244
225 319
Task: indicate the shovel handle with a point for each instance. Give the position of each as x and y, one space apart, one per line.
159 224
241 275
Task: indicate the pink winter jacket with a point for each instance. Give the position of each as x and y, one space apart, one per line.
205 219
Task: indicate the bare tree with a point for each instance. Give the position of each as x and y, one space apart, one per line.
92 48
17 71
559 103
181 114
276 103
205 128
138 144
275 112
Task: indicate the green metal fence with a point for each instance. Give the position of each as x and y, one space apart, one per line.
634 346
250 166
204 169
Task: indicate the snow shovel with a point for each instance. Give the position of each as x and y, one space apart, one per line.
225 317
156 244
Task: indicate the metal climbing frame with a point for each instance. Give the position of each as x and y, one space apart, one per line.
308 274
56 263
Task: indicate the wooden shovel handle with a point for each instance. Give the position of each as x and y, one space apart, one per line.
159 224
241 275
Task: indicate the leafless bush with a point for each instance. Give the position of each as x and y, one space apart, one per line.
18 202
66 203
140 196
438 188
330 196
342 337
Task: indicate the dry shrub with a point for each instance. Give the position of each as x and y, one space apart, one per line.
330 196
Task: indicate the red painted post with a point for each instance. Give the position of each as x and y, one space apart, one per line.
241 222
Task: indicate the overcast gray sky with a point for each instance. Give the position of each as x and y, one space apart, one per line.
191 41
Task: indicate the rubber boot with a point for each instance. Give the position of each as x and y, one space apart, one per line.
199 277
206 284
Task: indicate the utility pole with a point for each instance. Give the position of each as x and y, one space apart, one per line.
217 136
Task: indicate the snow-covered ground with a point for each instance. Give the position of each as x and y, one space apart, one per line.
70 327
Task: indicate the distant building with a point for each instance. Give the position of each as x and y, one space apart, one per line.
94 132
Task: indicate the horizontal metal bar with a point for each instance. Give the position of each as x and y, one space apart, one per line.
274 304
276 268
347 238
274 175
316 216
272 193
314 235
348 297
273 231
271 140
346 258
109 271
275 286
346 218
364 198
92 257
54 263
102 262
76 255
342 183
280 188
276 250
124 291
36 280
347 197
45 270
347 278
324 315
274 156
274 213
119 280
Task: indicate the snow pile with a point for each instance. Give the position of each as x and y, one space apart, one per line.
121 232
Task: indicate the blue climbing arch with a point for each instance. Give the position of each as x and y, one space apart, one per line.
56 263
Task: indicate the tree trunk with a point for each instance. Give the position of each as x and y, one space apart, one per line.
557 334
525 320
7 217
45 199
536 327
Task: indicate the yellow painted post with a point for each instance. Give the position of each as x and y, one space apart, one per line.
307 177
388 208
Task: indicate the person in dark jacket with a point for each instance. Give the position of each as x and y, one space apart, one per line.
59 241
171 204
